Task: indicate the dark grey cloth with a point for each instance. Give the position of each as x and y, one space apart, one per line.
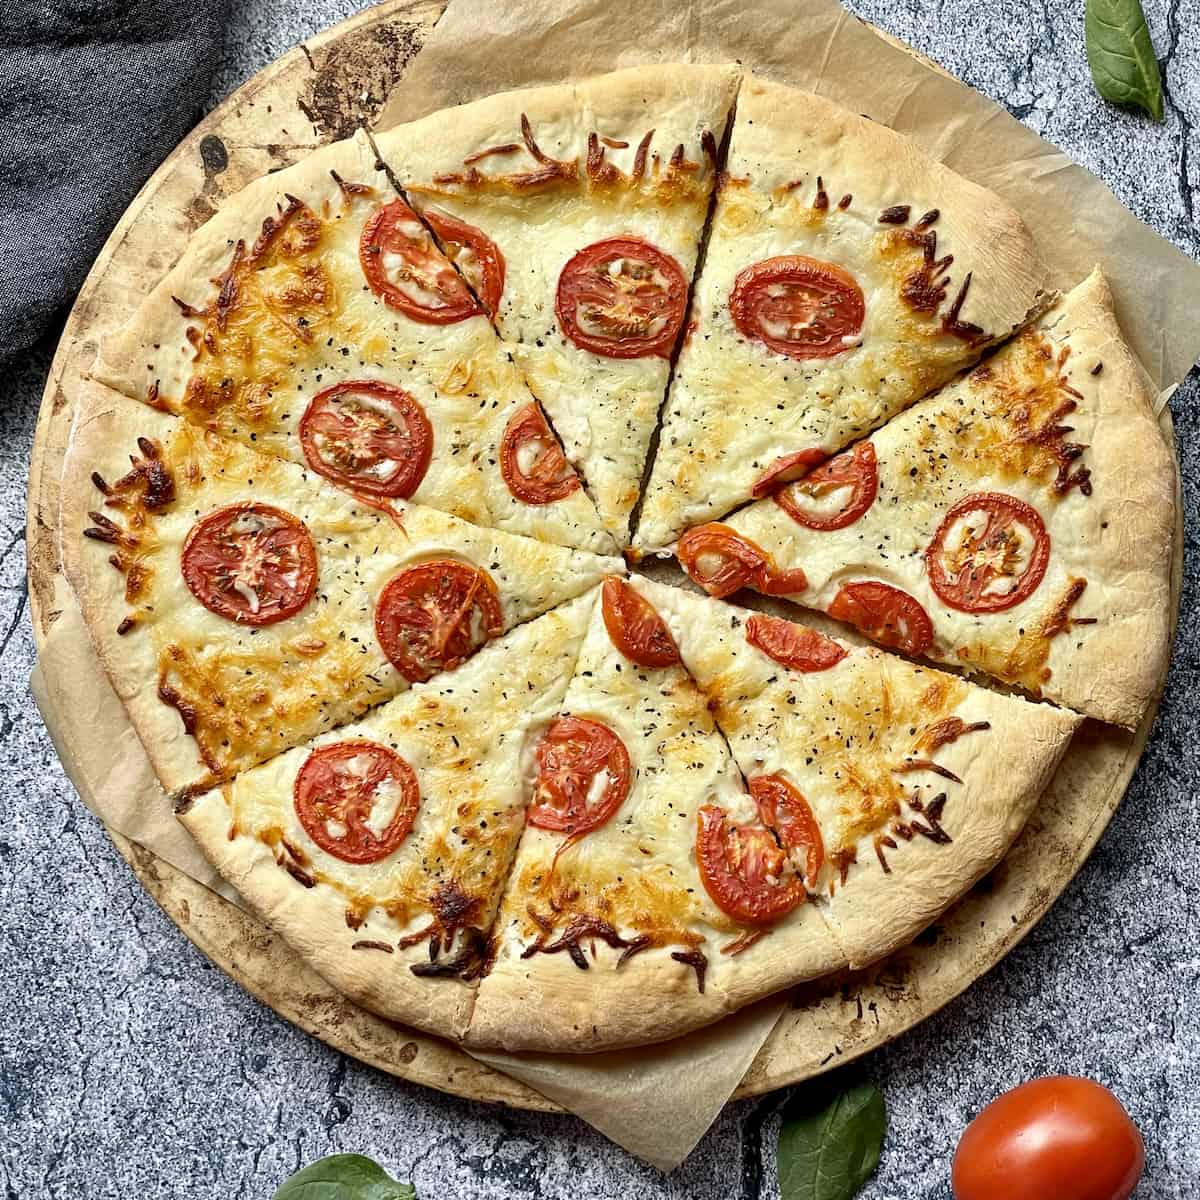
93 95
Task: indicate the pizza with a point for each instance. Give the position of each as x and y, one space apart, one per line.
594 198
240 604
315 319
1018 523
343 502
846 275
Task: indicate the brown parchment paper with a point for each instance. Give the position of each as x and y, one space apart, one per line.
658 1101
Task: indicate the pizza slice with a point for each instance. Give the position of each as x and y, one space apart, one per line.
621 924
1018 523
315 319
241 605
379 851
576 212
846 276
893 786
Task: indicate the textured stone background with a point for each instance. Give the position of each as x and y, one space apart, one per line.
130 1067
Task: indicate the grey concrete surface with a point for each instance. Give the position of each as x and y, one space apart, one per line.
131 1068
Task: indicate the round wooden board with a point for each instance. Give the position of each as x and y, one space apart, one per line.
315 93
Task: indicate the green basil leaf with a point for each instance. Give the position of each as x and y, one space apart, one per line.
829 1146
1121 55
344 1177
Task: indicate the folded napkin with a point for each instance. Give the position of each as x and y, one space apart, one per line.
93 95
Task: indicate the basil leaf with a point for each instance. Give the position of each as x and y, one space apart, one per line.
344 1177
829 1147
1121 55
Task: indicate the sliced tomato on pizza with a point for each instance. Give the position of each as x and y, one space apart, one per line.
380 850
1019 522
575 212
315 318
241 604
846 276
651 892
890 787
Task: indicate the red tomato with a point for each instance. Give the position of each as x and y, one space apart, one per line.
854 470
407 271
531 460
473 253
432 616
1058 1138
721 560
368 437
885 614
622 298
251 563
783 809
571 756
989 553
798 306
793 646
787 468
634 626
356 800
744 869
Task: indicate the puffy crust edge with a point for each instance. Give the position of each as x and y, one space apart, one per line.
669 98
313 921
1136 485
986 236
546 1003
151 345
107 427
875 913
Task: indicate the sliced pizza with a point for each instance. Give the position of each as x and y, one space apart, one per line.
894 787
576 211
846 276
380 850
645 880
1018 523
241 605
314 318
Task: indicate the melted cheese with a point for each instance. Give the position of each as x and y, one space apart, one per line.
293 314
251 692
983 434
463 735
603 409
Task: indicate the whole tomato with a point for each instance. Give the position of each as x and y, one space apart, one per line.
1058 1138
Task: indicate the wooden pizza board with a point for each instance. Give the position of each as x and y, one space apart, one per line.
317 92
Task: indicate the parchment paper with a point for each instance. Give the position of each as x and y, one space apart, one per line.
658 1101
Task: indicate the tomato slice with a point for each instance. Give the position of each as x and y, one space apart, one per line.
407 271
785 469
473 253
622 298
721 561
1060 1137
433 616
852 475
251 563
357 800
583 776
989 553
532 462
634 626
784 810
744 869
885 614
368 437
798 306
793 646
